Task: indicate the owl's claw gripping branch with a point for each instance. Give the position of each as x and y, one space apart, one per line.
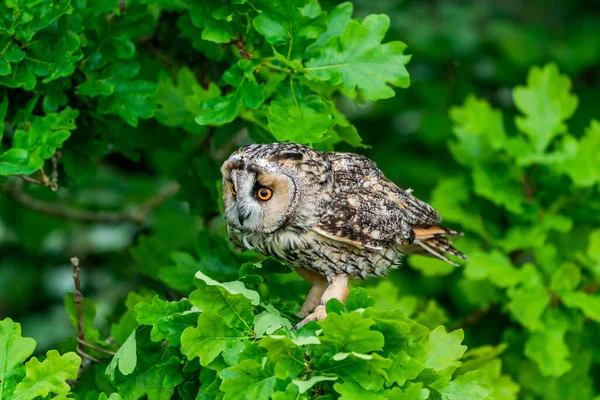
337 289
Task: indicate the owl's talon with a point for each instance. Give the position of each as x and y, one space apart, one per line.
319 314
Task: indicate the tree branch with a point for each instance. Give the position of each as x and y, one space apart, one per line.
78 297
15 191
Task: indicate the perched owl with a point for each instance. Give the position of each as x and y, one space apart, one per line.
332 216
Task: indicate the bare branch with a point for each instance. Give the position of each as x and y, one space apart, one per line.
45 179
91 346
15 191
54 177
31 180
51 182
78 297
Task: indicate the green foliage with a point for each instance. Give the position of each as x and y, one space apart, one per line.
115 117
34 378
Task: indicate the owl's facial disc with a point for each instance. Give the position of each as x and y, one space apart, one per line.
256 199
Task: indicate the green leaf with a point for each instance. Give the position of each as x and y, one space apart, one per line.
93 89
431 266
131 100
432 316
368 370
337 20
219 110
3 109
269 321
501 184
494 266
589 304
356 60
14 350
48 376
546 103
406 367
299 117
396 328
125 358
248 380
358 298
350 333
19 162
527 307
210 338
548 348
584 166
156 377
217 27
353 391
305 386
479 130
252 94
231 300
452 198
113 396
466 387
47 134
566 278
159 313
504 387
289 24
528 302
178 103
179 276
443 350
288 356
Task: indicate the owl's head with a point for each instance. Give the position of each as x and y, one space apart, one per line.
264 184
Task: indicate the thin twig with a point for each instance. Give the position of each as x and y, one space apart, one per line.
240 45
51 182
528 188
91 346
91 358
31 180
45 179
78 297
15 191
54 177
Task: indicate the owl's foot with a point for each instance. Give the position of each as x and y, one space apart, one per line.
317 315
337 288
316 291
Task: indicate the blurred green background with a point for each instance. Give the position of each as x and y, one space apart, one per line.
458 48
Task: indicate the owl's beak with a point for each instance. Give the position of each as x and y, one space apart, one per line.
242 216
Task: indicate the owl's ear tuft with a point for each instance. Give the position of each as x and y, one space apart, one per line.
293 156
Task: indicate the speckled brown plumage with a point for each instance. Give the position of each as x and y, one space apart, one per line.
335 214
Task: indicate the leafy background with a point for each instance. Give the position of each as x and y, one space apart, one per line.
118 114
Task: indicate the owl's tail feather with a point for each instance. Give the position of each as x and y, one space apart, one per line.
433 241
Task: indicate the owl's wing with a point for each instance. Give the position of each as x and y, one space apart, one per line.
376 215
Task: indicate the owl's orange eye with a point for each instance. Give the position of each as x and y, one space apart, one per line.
232 188
264 193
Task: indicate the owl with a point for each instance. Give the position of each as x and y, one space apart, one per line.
331 216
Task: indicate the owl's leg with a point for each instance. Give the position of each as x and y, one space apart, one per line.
319 284
337 289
